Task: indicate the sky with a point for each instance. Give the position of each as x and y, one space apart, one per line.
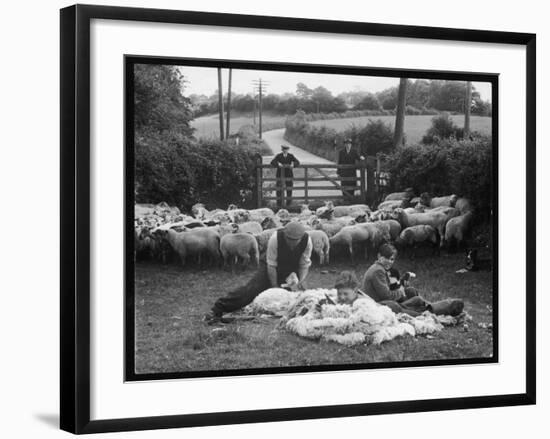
204 80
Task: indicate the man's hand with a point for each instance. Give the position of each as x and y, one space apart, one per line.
362 157
279 165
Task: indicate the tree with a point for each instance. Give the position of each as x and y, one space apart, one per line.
369 102
303 91
467 108
159 104
400 113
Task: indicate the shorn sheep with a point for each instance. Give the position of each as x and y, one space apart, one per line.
195 242
456 228
321 245
239 246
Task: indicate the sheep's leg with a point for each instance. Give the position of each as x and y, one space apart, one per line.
246 261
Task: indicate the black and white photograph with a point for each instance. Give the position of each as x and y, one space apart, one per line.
294 218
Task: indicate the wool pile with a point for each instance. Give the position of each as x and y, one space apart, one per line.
310 314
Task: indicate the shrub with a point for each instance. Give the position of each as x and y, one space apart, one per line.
462 167
374 137
442 127
182 171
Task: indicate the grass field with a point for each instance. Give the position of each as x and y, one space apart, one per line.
415 126
209 126
170 336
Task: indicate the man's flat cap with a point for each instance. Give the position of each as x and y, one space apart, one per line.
294 230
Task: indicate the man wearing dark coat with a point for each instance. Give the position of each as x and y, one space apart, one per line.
348 156
288 251
281 159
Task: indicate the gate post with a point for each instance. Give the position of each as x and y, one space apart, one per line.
370 182
259 182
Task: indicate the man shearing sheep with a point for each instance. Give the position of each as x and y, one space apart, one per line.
288 251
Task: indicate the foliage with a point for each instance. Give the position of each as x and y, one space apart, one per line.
184 172
462 167
159 104
374 137
442 127
369 102
170 164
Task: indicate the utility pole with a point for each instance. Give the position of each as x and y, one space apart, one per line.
400 114
220 101
260 87
228 104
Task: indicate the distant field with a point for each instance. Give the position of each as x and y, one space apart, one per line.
415 126
209 126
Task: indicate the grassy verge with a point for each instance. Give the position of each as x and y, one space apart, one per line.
170 336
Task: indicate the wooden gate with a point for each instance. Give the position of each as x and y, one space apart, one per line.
313 182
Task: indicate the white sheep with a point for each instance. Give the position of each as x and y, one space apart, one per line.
390 205
251 227
197 242
260 214
464 205
331 227
414 235
436 219
456 228
239 246
349 236
321 245
448 200
353 210
263 238
395 228
399 196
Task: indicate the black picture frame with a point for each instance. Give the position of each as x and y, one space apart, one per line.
75 217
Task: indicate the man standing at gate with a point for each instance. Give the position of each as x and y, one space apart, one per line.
288 251
348 156
279 161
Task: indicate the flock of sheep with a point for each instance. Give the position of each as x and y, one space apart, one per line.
239 236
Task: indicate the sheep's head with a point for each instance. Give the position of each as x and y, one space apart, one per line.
453 200
316 223
199 211
397 214
234 227
283 214
268 223
326 212
425 198
305 208
362 218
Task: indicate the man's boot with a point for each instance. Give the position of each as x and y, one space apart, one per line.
448 307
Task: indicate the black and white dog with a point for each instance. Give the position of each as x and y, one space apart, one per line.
475 263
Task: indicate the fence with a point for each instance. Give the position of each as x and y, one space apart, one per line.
314 182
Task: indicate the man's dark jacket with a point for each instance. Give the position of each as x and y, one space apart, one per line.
280 158
345 158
